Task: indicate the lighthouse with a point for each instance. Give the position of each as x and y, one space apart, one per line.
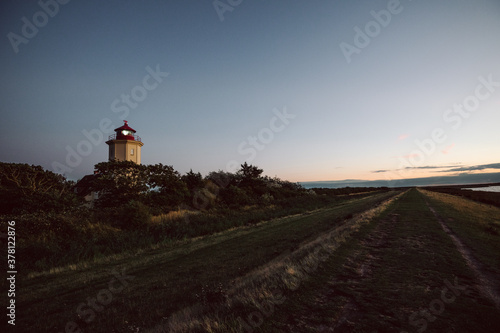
124 145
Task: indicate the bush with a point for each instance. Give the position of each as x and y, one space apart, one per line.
235 197
131 215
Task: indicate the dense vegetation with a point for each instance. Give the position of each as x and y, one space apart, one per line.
28 188
490 198
138 206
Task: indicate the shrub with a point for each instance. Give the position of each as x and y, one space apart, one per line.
234 196
131 215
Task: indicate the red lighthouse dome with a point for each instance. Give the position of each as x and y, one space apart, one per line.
126 132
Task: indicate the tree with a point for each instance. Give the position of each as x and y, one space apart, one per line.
234 196
249 172
193 181
251 180
282 189
166 188
30 188
119 182
221 178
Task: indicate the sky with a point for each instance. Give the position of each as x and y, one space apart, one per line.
306 90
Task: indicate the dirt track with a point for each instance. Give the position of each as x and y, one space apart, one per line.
488 283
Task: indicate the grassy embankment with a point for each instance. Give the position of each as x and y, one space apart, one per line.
391 275
476 224
490 198
168 279
48 241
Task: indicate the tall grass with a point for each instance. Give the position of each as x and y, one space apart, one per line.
490 198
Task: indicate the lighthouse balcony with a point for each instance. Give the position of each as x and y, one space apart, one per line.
120 136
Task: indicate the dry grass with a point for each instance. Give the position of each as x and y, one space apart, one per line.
268 282
172 216
482 213
476 224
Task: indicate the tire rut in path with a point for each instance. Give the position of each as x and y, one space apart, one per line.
489 284
359 267
371 247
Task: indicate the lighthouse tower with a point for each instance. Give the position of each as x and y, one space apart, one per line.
124 145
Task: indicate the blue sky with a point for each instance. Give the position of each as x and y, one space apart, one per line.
385 108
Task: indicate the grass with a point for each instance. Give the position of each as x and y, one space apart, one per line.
476 224
172 216
260 288
386 279
50 241
167 279
344 266
490 198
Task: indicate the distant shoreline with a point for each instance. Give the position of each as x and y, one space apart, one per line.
463 179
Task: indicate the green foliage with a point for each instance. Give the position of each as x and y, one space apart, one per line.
128 216
250 179
222 178
155 185
234 196
249 187
59 230
162 188
118 182
134 215
249 173
166 186
29 188
193 181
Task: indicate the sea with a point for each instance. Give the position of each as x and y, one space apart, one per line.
484 189
463 179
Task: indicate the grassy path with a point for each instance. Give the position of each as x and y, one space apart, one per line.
400 273
480 227
143 290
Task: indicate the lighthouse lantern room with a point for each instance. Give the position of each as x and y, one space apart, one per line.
124 145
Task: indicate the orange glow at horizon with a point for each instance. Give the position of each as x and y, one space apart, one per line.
389 175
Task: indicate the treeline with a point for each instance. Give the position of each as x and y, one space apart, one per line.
162 189
28 188
128 193
348 190
490 198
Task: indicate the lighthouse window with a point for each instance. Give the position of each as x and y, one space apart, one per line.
132 151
